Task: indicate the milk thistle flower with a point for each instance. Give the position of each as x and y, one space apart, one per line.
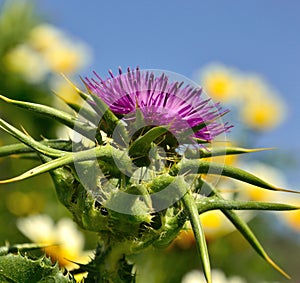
160 101
96 181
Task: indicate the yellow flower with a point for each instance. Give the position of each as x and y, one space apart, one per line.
259 105
65 241
27 62
253 85
44 36
65 57
262 108
220 82
60 52
291 218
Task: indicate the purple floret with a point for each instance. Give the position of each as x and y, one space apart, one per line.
161 102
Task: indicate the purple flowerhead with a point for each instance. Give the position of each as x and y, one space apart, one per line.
161 102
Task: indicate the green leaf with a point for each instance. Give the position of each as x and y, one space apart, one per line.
20 148
65 118
139 119
86 113
141 190
140 148
212 152
112 123
17 148
192 211
41 148
205 167
18 268
215 202
46 167
105 153
245 230
82 94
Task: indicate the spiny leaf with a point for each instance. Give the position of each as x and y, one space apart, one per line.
20 148
212 152
109 117
29 140
112 123
46 167
19 268
103 116
192 211
245 230
251 238
82 94
139 119
98 118
142 145
140 189
65 118
204 167
104 153
82 110
211 203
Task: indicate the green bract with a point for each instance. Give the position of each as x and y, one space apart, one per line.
16 267
134 190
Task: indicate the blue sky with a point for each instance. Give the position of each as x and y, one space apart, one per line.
183 36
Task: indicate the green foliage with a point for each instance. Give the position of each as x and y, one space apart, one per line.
16 268
16 20
91 180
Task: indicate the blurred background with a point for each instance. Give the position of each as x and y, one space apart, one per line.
244 54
